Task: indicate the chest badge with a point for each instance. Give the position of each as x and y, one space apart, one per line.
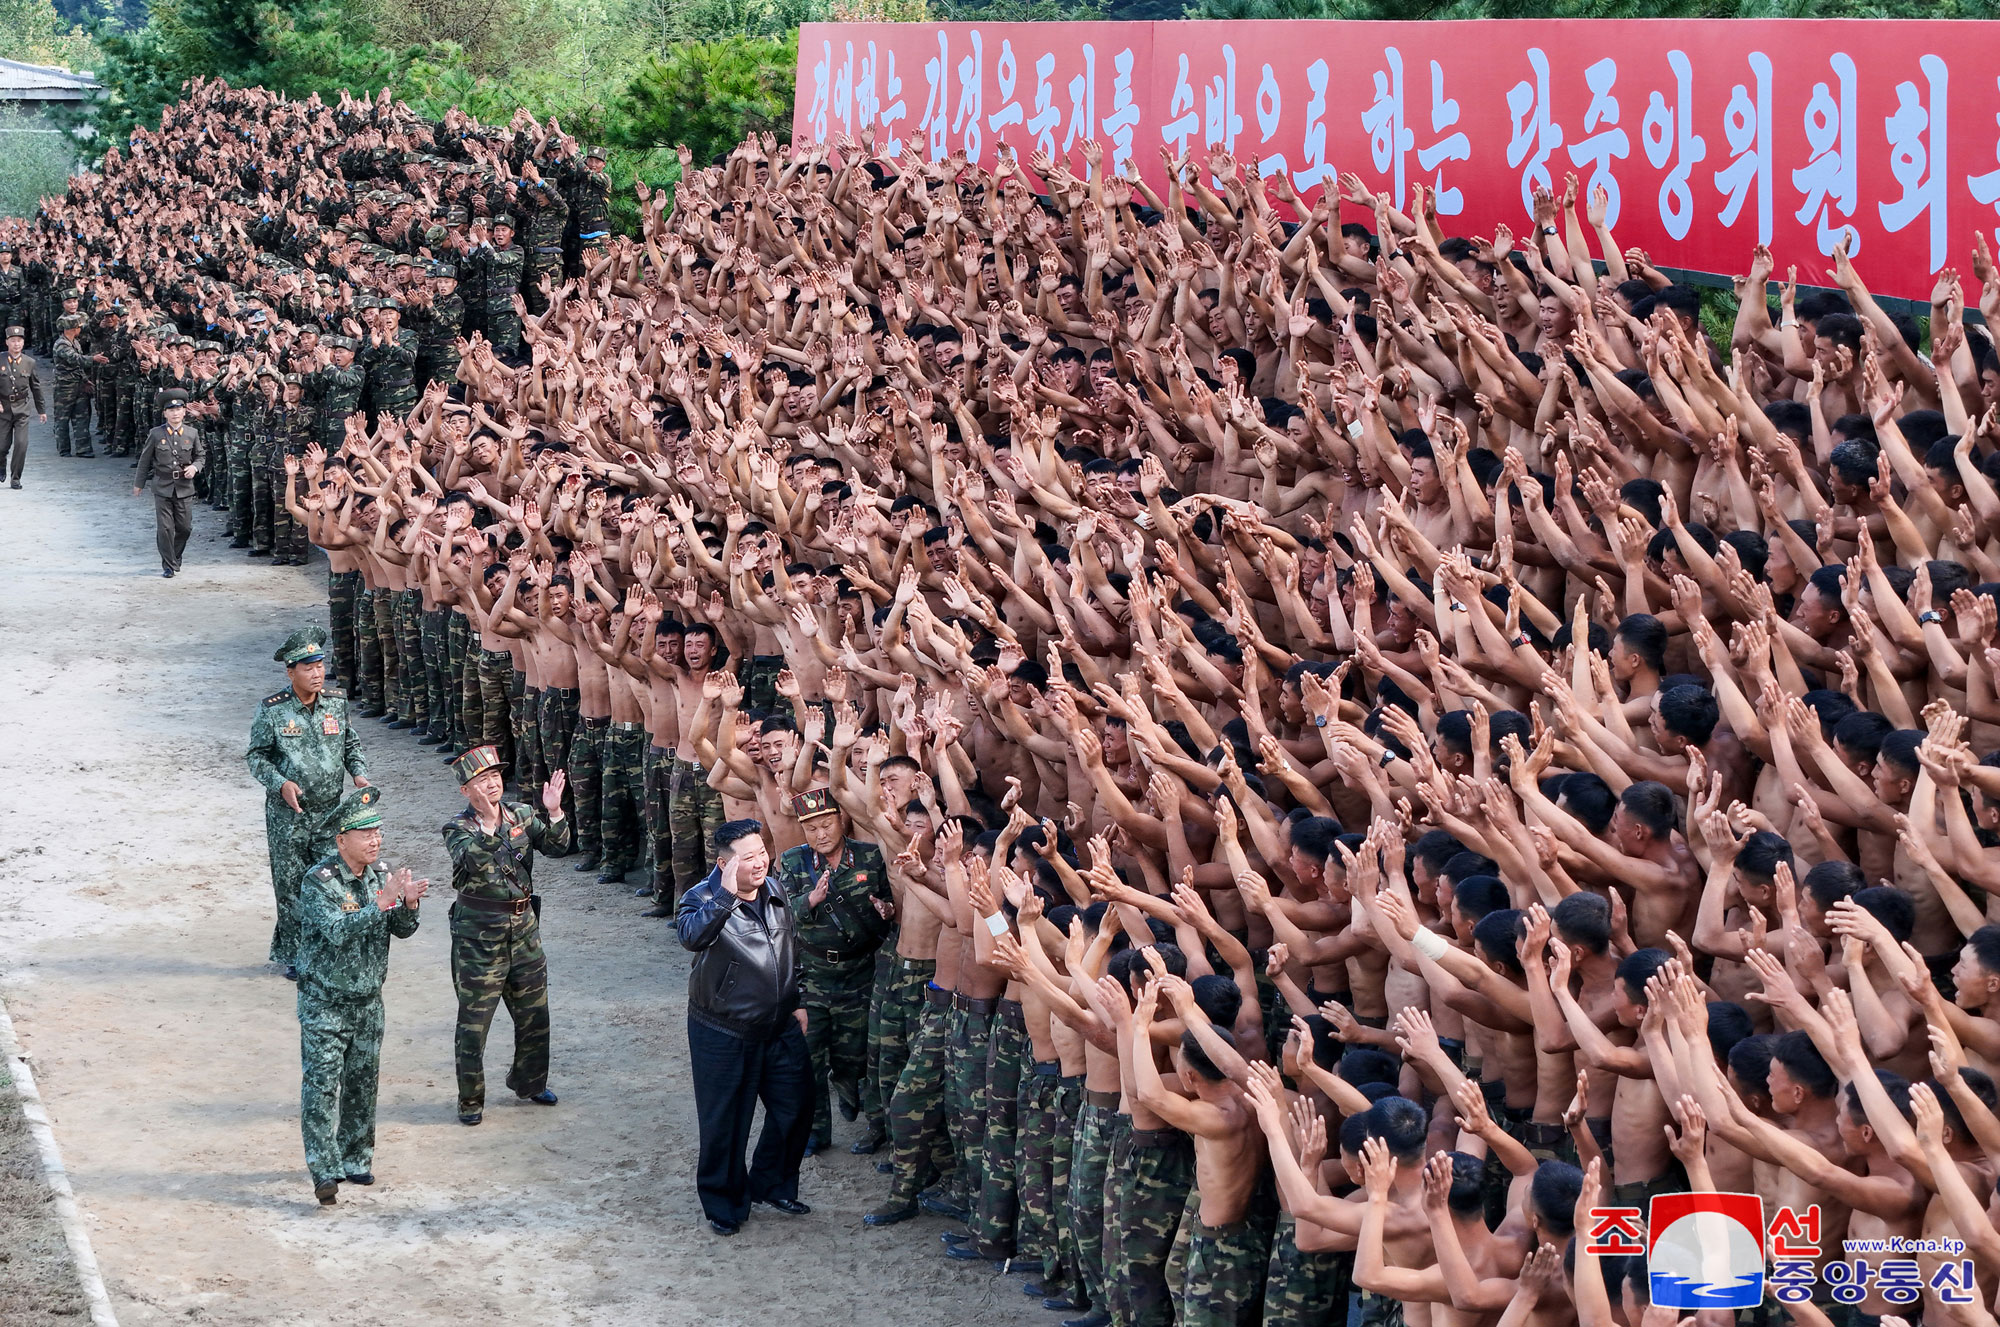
292 728
329 726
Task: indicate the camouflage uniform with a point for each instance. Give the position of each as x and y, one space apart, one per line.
315 747
965 1093
408 616
496 679
392 373
1223 1271
837 942
694 813
1303 1289
72 405
586 781
501 272
620 778
893 1016
343 958
542 247
1041 1124
438 326
659 826
589 195
338 392
432 626
555 722
343 588
244 443
1090 1156
922 1151
995 1206
388 654
1151 1171
496 943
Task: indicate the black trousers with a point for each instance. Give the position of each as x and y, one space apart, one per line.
173 521
731 1076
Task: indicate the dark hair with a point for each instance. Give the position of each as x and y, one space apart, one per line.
731 832
1584 919
1553 1193
1832 881
1893 1083
1759 854
1479 896
1637 968
1861 733
1750 1061
1368 1064
1197 1058
1468 1183
1587 797
1890 906
1728 1024
1651 803
1402 1124
1690 713
1803 1062
1899 748
1985 944
1646 636
1218 997
1499 935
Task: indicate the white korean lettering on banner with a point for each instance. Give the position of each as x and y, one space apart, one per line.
1006 72
866 103
1668 133
1746 124
1047 117
1909 155
1317 169
1986 188
1602 144
1533 136
1828 179
1455 147
1220 122
1388 138
1270 112
1083 104
937 102
822 86
1179 129
971 97
1124 115
843 92
893 108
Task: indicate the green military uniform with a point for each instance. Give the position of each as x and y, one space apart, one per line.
837 941
589 195
694 813
338 392
996 1204
1222 1270
542 249
1045 1128
13 293
170 449
1090 1157
72 390
500 270
1301 1288
391 372
343 957
18 382
315 747
496 938
893 1015
438 326
921 1149
1146 1189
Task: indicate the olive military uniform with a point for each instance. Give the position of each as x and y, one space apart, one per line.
18 382
170 449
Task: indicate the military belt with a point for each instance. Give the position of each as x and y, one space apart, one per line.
1012 1016
1048 1068
966 1004
512 907
626 727
1101 1100
939 997
834 955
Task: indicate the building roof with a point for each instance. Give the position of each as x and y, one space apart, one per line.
26 82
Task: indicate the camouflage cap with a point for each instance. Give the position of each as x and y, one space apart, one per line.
69 320
71 292
596 153
444 270
202 347
475 763
360 809
814 803
339 342
306 645
269 372
184 340
293 380
503 219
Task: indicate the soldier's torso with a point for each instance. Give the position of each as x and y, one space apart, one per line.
311 743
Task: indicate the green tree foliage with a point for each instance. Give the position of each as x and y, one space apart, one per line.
709 94
35 159
33 32
1470 9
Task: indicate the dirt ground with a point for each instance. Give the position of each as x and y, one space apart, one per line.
135 913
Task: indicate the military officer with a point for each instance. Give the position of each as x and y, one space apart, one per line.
840 896
172 457
302 749
72 388
349 907
496 937
18 382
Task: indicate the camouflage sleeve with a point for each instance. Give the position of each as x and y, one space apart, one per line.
262 757
403 920
457 843
552 840
350 753
320 910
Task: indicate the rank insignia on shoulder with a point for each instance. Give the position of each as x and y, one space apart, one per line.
279 698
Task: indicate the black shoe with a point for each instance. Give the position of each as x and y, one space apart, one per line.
588 864
428 739
724 1227
1063 1304
889 1216
848 1099
643 891
613 875
941 1206
398 723
260 552
167 573
239 543
364 1178
951 1238
789 1206
814 1147
868 1143
1097 1319
327 1191
291 972
966 1252
541 1098
661 911
448 753
14 484
471 1116
372 714
885 1167
1036 1290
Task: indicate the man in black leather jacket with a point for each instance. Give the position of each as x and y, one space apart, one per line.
746 1032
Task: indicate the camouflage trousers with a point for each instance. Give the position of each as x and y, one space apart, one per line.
297 841
340 1061
408 611
367 688
262 526
893 1015
390 640
922 1150
965 1097
995 1208
835 996
555 721
1090 1158
758 675
1045 1124
236 451
496 681
495 957
523 704
432 628
72 421
457 649
1304 1289
123 435
657 840
694 813
343 668
621 798
586 780
1365 1308
1145 1191
1223 1272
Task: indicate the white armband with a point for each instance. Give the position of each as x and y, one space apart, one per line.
1428 943
1354 429
997 924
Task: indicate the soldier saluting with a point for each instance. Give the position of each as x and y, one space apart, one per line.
302 748
840 895
496 936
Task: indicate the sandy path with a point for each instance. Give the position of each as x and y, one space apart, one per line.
135 912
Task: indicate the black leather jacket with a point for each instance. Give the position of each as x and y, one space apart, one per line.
745 979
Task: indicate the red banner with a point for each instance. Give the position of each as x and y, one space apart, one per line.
1710 136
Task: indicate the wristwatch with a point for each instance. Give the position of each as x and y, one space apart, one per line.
1930 615
1319 721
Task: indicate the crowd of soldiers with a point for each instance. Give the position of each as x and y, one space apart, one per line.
1313 758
